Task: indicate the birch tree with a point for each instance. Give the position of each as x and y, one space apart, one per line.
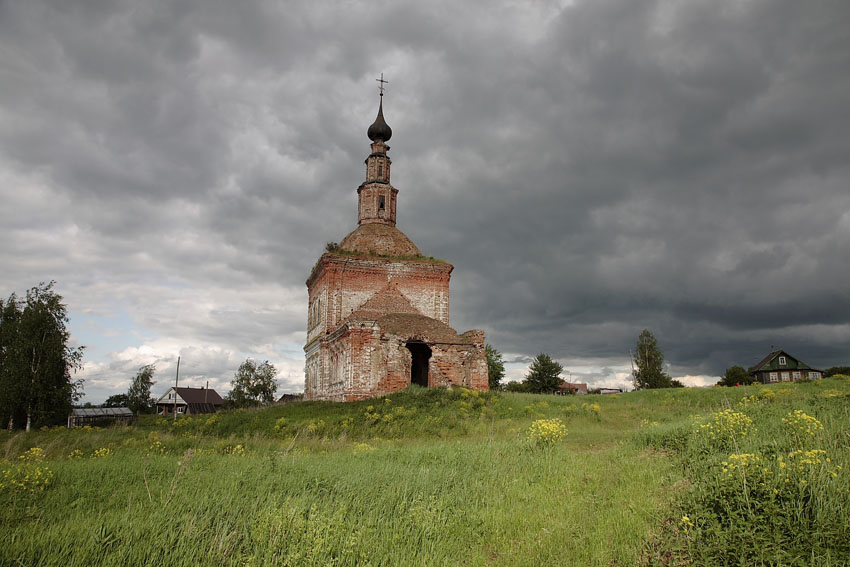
36 361
648 363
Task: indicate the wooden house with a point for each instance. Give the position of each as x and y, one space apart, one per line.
567 388
289 398
779 366
188 401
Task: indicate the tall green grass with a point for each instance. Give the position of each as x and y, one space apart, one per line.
433 477
767 479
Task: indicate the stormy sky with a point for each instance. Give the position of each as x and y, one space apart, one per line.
591 169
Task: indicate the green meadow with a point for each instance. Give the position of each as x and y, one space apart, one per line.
756 475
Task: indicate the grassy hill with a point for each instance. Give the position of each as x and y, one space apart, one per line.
733 476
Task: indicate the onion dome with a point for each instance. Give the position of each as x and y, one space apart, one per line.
380 130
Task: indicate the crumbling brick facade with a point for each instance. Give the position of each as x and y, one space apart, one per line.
378 315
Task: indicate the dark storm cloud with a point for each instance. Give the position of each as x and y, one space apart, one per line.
699 181
590 169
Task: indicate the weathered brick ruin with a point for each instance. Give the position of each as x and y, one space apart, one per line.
378 316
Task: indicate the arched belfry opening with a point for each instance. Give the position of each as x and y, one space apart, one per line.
420 354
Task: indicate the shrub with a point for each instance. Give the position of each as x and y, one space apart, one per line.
156 448
591 408
800 425
763 395
27 475
546 433
722 429
236 450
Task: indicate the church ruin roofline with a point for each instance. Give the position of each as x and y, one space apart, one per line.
359 260
407 326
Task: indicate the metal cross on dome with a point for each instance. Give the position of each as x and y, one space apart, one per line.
381 86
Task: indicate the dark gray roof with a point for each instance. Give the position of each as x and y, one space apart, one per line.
102 412
766 359
766 363
198 396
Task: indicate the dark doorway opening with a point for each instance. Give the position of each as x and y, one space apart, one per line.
420 353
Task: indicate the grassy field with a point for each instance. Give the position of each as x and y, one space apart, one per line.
734 476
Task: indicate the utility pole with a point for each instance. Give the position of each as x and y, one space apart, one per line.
176 378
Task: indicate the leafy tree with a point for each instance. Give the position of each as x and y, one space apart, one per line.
833 370
10 360
495 367
648 364
139 395
736 375
35 359
544 375
253 384
116 401
514 386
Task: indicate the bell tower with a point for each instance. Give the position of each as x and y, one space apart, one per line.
376 198
378 310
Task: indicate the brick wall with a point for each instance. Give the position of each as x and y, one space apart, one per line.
340 284
364 361
351 358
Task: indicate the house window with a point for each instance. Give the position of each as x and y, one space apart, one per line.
381 203
774 377
782 361
795 375
380 170
814 375
786 376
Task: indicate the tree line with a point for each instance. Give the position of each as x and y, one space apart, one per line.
253 385
544 374
38 364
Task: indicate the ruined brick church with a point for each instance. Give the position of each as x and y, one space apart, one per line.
378 315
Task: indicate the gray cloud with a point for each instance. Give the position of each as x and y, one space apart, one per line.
590 169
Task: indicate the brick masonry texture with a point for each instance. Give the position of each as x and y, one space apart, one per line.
377 239
378 312
365 310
